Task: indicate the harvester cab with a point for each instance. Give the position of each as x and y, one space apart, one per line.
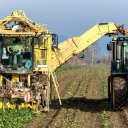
119 45
118 79
9 61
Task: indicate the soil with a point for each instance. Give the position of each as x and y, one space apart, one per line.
84 102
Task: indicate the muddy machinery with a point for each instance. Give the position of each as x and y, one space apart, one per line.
29 85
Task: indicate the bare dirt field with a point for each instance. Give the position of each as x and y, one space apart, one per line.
84 97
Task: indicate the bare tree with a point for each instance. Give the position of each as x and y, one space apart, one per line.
110 57
91 53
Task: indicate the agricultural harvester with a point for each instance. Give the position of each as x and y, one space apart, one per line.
28 85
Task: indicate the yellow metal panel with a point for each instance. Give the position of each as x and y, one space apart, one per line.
28 79
1 80
1 105
75 45
15 78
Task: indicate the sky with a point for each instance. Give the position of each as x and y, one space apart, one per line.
70 17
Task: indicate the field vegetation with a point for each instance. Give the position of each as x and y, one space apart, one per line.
67 68
83 90
15 118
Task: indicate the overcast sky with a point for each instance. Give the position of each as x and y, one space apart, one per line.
69 17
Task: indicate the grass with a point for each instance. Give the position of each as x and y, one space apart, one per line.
104 116
63 69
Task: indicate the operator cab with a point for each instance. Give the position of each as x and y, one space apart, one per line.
26 64
120 54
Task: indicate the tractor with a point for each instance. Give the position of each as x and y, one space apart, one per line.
118 79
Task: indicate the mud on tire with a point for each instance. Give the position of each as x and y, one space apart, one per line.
119 93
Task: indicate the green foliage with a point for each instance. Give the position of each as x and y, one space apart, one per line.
15 118
67 68
105 116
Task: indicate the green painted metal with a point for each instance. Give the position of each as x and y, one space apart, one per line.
122 36
126 48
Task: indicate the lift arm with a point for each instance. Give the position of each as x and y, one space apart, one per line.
75 45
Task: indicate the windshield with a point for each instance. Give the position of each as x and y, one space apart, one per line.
126 56
15 55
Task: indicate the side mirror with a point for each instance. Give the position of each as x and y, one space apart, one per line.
55 41
109 46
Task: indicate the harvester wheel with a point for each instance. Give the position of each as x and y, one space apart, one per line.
119 93
109 88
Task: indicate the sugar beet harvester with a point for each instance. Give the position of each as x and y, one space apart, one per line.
29 85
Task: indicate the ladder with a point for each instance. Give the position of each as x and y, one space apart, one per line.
55 84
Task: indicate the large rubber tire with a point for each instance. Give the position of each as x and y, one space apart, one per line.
109 93
119 93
